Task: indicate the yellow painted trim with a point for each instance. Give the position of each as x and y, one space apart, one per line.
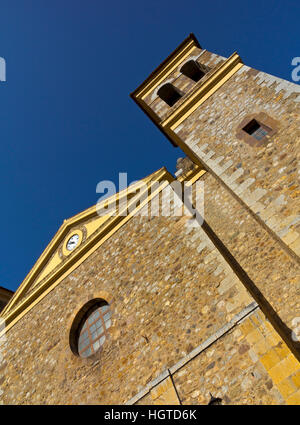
51 265
66 227
195 177
94 224
205 90
167 70
222 74
216 79
13 316
191 176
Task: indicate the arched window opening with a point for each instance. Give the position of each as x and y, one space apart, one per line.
169 94
192 70
90 328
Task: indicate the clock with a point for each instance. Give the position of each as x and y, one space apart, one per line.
72 242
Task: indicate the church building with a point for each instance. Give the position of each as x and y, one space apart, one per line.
181 289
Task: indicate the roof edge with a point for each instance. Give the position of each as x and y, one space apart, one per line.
190 37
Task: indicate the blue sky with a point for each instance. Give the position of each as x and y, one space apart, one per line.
66 118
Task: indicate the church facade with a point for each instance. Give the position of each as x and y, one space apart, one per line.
176 299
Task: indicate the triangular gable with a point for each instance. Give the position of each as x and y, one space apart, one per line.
55 261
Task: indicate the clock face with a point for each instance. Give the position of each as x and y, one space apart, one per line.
72 242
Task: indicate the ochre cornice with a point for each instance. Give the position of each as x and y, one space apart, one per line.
166 67
191 176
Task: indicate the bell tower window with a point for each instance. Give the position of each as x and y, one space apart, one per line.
192 70
169 94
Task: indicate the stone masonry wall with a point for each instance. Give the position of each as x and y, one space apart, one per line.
266 177
272 271
249 365
165 302
170 289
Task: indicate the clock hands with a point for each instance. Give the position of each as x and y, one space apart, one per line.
72 242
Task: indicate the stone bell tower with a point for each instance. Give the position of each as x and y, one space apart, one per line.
241 126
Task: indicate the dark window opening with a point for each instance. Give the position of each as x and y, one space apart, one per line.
256 130
214 401
192 70
169 94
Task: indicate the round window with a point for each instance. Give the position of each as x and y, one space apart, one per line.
92 330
